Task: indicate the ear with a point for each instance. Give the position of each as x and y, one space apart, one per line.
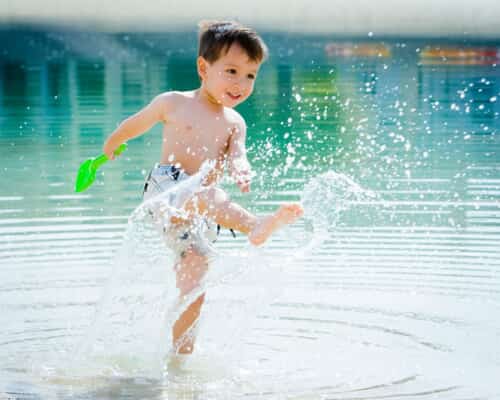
201 65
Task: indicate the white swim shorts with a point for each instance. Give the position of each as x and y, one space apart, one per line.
179 237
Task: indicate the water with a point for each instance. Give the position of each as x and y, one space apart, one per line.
390 295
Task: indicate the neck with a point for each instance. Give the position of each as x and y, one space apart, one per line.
206 98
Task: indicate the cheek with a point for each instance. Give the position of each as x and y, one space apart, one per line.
223 79
228 78
250 88
215 77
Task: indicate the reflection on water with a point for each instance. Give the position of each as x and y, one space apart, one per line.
400 299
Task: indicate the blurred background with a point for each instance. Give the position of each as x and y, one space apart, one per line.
358 17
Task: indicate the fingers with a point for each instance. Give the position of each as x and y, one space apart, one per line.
244 186
109 151
243 179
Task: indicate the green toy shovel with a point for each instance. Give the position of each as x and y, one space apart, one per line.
87 170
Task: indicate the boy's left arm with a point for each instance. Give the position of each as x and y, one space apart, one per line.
239 167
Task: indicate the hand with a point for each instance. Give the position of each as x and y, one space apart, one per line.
109 150
243 179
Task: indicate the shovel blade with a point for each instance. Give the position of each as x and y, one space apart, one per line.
87 170
85 176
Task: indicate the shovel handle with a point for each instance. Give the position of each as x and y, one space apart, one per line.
98 161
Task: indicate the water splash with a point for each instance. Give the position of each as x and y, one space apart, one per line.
131 333
326 197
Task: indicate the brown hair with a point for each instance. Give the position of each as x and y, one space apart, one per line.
216 37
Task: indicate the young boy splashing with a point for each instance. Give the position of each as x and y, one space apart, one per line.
201 125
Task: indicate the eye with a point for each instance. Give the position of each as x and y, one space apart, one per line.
231 71
251 76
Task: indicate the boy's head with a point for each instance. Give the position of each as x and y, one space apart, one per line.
229 57
216 37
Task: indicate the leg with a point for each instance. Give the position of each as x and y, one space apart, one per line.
216 204
190 271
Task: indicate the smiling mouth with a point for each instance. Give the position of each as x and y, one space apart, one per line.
233 97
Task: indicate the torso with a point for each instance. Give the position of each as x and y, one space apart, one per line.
194 133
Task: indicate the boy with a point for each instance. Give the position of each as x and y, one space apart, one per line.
202 125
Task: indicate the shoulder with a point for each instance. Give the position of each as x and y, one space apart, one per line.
235 119
168 102
172 98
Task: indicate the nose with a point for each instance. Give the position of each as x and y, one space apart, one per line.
236 87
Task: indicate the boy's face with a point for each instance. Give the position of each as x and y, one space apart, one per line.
230 79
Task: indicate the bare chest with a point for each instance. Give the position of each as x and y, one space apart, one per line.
187 139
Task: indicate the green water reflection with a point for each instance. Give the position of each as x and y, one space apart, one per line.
389 120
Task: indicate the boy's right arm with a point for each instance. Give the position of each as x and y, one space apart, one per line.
138 123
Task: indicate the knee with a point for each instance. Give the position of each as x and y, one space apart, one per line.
213 196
